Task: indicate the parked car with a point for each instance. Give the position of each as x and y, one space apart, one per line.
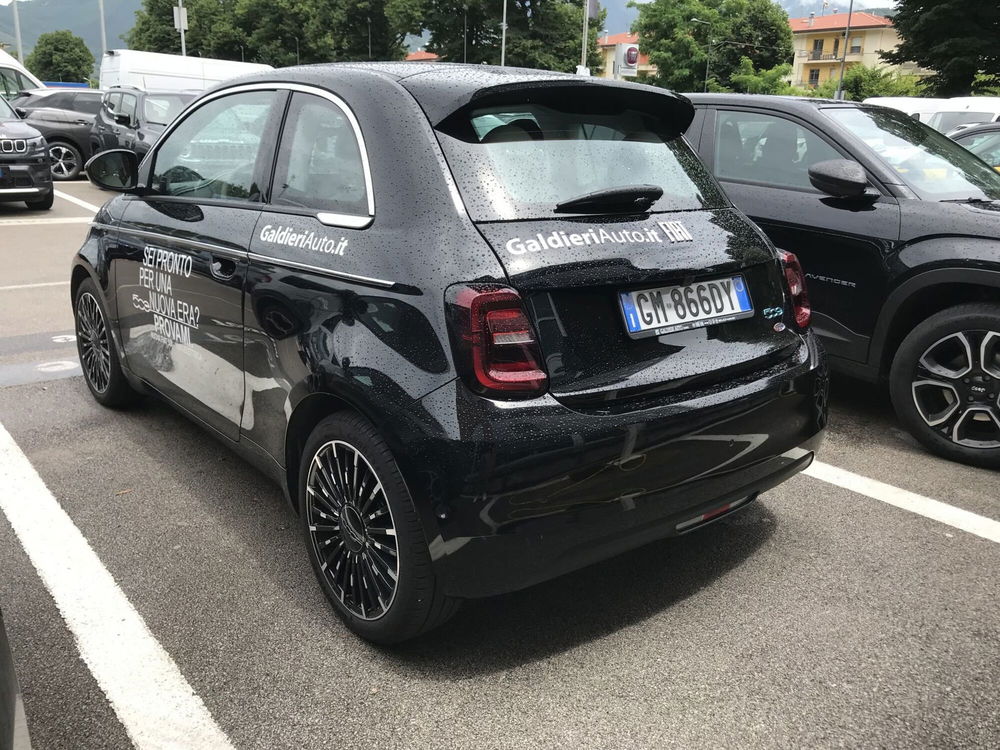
133 119
14 77
13 726
898 231
918 107
982 140
480 335
24 162
963 111
65 117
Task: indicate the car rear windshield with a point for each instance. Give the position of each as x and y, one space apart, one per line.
933 166
160 109
519 160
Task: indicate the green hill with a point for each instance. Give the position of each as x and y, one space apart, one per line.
79 16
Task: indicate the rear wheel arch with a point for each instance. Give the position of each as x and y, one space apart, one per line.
308 413
925 295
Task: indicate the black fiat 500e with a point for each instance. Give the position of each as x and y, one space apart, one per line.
483 326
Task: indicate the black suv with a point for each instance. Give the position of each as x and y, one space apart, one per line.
24 162
898 231
133 119
484 326
65 117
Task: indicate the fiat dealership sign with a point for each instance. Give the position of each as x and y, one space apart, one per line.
626 59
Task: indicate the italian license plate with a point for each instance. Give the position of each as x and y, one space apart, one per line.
5 178
653 312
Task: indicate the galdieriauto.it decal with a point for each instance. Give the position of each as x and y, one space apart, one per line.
289 237
665 232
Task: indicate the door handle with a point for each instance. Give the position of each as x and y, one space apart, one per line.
223 268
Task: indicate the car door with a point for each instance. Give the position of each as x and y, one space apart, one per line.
311 245
762 158
104 124
181 258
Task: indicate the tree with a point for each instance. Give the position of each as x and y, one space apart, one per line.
958 40
861 82
280 32
61 56
725 31
540 33
746 80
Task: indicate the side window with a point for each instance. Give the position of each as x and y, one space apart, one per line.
9 83
127 107
213 152
768 149
113 102
985 145
57 101
319 164
86 103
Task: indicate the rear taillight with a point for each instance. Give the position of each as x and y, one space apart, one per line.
496 351
796 281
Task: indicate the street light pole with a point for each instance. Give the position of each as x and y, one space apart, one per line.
583 44
503 36
298 59
708 49
843 59
17 32
104 30
181 24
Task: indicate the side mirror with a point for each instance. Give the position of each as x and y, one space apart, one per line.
117 169
123 119
840 178
21 112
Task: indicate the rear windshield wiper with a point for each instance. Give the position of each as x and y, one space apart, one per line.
635 197
970 200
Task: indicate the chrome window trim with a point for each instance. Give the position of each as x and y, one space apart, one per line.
343 275
325 217
159 236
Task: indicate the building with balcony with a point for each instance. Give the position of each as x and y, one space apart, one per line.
819 45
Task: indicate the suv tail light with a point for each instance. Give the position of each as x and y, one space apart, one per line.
496 350
796 281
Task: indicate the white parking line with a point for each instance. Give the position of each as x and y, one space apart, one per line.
39 285
81 203
155 704
964 520
36 222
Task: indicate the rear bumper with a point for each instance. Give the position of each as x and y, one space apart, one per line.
25 182
512 494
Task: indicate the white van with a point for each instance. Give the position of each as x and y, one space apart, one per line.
154 71
966 110
918 107
15 78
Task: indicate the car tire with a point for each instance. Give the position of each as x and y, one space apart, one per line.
361 529
945 383
96 347
43 204
66 161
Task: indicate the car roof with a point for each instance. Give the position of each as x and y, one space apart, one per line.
983 127
800 104
57 90
443 88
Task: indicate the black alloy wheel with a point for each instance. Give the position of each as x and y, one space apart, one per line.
364 539
352 529
97 351
946 383
65 160
93 342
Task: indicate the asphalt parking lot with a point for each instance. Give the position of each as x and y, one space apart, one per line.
835 611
